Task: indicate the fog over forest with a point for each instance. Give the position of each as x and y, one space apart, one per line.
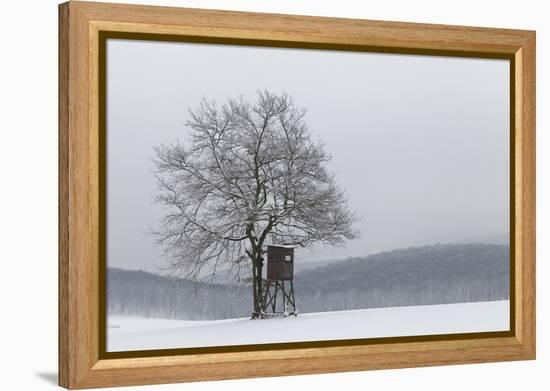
439 274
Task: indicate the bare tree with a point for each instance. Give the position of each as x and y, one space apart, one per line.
250 176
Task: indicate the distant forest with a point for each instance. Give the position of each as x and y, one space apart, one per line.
438 274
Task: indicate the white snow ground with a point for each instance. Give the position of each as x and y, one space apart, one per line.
125 333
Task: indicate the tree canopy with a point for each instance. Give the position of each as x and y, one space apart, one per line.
249 175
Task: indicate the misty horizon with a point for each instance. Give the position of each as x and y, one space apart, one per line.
301 254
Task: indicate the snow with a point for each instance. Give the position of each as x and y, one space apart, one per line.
125 333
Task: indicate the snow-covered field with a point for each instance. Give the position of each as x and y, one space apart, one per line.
126 333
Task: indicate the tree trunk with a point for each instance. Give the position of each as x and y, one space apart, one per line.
257 267
255 312
259 277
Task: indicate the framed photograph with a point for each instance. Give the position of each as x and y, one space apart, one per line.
247 195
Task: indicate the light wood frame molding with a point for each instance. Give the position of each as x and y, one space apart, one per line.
81 364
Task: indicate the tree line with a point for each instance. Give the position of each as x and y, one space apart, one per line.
438 274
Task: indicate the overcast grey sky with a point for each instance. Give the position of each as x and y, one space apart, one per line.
419 143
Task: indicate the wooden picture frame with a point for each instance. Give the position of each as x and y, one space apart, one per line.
83 27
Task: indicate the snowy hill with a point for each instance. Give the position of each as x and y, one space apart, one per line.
133 333
438 274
